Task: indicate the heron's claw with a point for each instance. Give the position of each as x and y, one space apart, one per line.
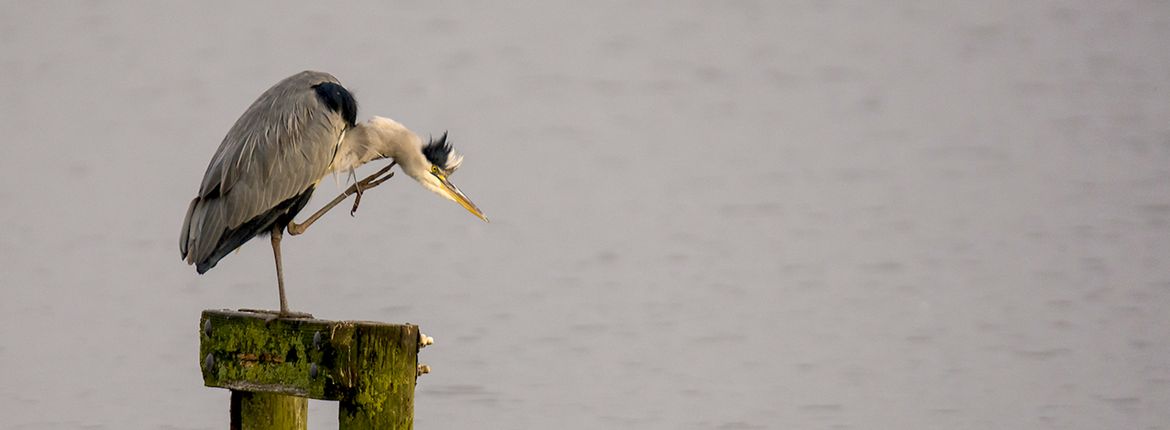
357 197
356 201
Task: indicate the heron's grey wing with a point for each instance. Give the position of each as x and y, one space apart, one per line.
279 148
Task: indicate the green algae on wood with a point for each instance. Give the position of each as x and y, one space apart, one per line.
369 367
384 394
268 411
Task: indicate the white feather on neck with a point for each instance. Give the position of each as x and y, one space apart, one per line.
377 139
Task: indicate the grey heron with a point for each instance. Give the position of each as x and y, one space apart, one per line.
296 133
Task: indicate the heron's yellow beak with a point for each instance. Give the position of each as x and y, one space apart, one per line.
453 193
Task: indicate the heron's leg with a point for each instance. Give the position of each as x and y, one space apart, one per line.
364 184
284 312
277 232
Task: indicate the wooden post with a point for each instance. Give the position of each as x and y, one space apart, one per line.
383 396
271 365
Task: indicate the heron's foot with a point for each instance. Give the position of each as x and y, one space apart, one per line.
279 315
294 315
365 184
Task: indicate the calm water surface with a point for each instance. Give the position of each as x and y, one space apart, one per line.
706 215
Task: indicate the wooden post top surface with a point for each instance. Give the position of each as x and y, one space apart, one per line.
318 359
271 315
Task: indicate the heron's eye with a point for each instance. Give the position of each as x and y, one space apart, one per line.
435 170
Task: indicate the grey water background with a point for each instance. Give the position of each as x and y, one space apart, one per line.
706 215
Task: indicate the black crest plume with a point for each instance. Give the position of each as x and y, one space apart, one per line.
438 151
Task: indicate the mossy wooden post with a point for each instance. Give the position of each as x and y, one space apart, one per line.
271 365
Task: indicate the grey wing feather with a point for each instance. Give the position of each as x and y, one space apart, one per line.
281 145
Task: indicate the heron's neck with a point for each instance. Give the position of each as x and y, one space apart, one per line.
381 138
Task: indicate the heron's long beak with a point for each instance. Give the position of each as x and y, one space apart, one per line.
453 192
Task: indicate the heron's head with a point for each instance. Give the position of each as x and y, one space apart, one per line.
442 161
